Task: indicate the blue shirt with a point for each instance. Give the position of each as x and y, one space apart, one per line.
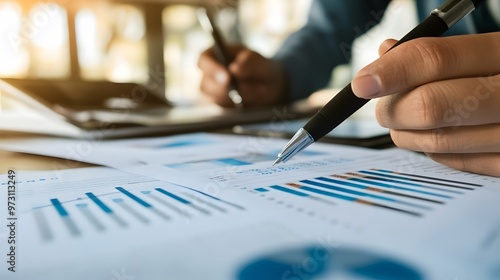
310 54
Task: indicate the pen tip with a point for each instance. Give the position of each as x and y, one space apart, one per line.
277 161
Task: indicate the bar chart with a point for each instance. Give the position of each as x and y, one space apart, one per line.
230 213
126 207
409 194
236 161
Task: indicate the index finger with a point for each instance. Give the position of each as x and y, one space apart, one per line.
426 60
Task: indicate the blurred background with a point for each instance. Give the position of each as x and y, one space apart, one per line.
137 41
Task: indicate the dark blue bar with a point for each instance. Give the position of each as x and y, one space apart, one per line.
428 177
354 185
330 187
392 186
393 178
179 144
232 161
344 197
169 194
261 190
418 180
280 188
99 203
59 207
130 195
375 184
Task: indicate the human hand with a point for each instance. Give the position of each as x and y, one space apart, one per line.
442 97
260 81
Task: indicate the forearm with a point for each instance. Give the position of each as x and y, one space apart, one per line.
310 54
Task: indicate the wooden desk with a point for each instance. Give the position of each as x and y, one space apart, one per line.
20 161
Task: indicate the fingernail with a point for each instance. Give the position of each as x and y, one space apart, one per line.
366 86
221 77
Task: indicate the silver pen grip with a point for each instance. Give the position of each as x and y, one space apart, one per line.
452 11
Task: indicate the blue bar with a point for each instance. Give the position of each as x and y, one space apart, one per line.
81 205
130 195
432 178
234 162
418 180
393 178
99 203
330 187
118 200
392 186
344 197
261 190
283 189
343 183
179 144
376 184
59 207
180 199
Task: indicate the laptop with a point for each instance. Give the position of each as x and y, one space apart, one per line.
81 109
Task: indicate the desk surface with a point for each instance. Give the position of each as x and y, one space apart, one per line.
20 161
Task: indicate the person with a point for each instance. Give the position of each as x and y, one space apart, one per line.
439 96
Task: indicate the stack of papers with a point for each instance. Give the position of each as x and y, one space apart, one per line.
207 206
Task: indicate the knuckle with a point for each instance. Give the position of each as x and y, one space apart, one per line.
427 104
207 89
435 54
436 141
462 163
382 112
385 46
203 59
244 55
396 138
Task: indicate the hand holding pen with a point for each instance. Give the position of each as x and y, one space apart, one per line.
259 81
447 108
367 85
221 52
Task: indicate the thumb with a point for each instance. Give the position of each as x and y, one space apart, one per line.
367 85
385 46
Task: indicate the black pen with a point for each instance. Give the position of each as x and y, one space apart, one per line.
207 23
345 103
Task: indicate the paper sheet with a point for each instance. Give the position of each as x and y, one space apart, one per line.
177 213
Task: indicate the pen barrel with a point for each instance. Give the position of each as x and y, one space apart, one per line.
342 106
432 26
